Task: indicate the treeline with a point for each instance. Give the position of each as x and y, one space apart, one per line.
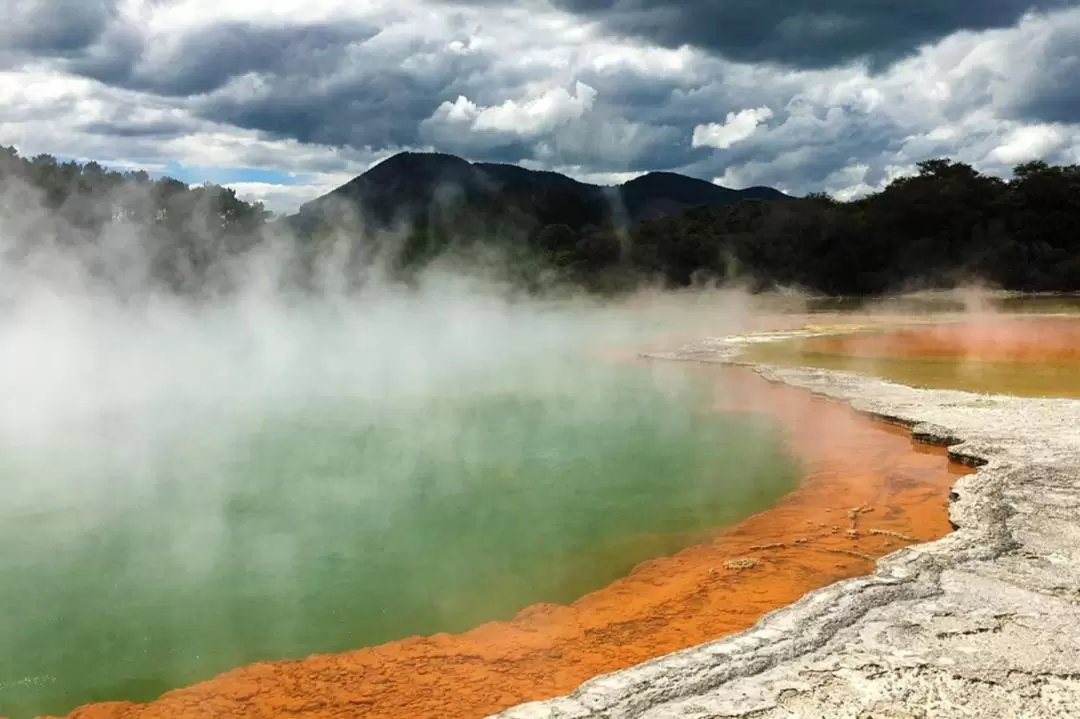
124 228
946 225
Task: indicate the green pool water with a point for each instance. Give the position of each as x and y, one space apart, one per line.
150 548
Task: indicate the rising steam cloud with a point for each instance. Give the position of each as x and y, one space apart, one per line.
131 410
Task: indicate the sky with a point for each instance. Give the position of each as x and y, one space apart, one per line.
287 99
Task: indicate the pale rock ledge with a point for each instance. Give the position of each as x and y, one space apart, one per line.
982 623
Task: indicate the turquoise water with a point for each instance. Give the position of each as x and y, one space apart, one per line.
209 520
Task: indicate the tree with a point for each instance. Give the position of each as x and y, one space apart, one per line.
945 222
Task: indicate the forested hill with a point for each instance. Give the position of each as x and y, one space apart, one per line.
944 225
409 188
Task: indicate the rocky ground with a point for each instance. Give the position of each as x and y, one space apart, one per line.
983 623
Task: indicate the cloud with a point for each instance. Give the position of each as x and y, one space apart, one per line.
285 198
1029 143
804 33
205 59
1046 81
749 93
535 116
585 174
738 126
554 128
55 28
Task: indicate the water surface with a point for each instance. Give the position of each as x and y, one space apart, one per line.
157 544
1025 355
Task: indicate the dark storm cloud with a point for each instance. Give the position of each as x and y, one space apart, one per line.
628 89
1051 92
135 130
614 144
205 60
366 99
509 151
706 97
1057 97
379 108
317 82
53 27
804 33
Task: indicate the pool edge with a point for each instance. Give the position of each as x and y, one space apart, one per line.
976 621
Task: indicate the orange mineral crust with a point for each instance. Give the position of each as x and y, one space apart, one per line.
990 339
867 491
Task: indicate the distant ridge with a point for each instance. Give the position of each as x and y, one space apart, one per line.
410 185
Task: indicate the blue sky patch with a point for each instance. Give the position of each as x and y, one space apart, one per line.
229 175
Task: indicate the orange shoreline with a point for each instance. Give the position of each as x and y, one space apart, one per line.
811 538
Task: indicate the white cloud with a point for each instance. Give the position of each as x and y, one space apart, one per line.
1029 143
529 118
737 127
851 182
284 199
679 64
585 174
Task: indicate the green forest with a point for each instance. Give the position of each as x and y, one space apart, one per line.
183 236
944 226
948 224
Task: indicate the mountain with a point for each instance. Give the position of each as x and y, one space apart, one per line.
415 187
658 194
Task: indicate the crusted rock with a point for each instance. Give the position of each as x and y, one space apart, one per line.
981 623
741 563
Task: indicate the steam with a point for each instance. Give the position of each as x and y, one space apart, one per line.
130 411
158 442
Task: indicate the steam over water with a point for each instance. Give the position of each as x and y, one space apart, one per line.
1002 346
186 489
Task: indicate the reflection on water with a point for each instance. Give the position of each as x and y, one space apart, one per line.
988 353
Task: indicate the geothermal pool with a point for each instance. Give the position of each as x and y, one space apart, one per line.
699 594
152 545
994 354
187 494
